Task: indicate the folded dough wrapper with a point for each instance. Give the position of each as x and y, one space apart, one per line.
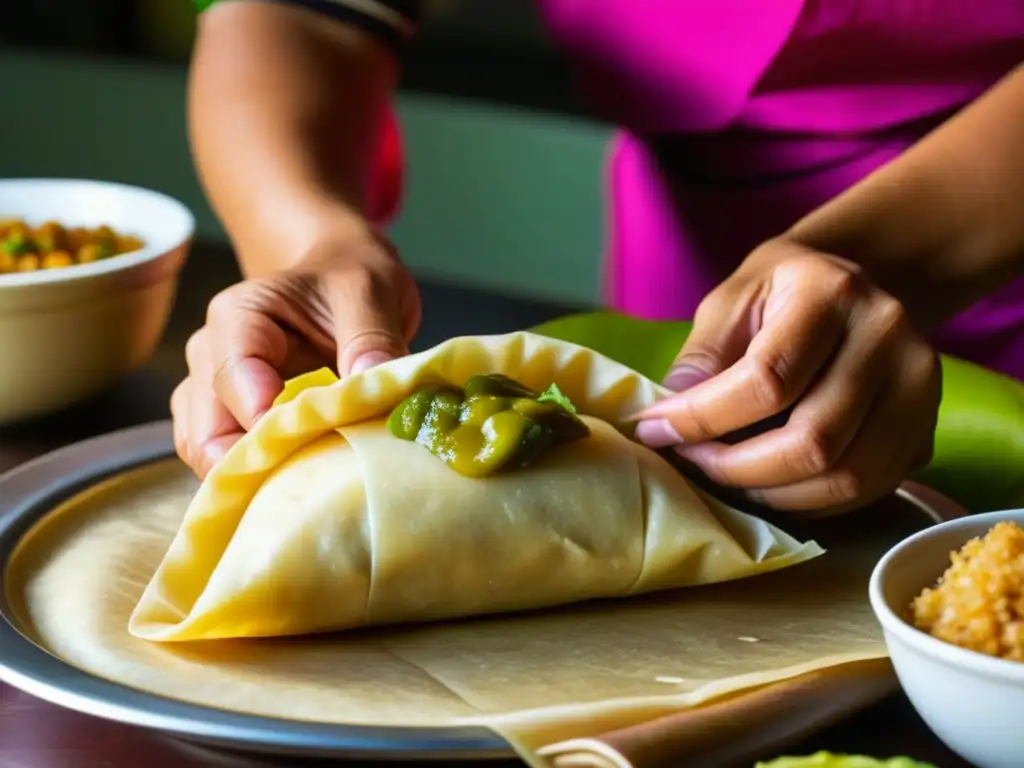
319 519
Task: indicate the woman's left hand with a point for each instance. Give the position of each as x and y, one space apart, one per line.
796 329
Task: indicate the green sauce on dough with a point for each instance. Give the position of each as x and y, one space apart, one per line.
492 423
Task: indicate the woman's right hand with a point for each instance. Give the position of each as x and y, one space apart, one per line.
348 305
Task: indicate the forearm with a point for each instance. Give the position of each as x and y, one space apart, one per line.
943 225
284 114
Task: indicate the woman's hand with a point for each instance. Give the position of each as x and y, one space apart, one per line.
348 305
796 329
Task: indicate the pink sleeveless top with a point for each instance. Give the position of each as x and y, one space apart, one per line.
740 116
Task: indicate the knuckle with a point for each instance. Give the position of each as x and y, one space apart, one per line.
709 305
699 428
361 282
360 285
773 250
844 485
223 305
841 283
178 399
814 449
889 314
925 368
196 347
919 376
854 269
769 382
179 414
792 269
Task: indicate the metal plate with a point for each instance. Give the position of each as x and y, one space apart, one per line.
30 492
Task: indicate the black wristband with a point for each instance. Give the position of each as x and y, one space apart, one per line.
393 21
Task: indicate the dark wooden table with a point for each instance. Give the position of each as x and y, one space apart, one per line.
34 734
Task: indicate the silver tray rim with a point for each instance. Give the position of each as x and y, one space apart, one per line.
31 490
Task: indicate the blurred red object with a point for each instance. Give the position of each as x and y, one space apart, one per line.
387 181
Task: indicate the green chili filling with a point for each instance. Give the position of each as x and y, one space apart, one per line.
492 423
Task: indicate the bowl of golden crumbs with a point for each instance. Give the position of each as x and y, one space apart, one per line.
951 603
88 275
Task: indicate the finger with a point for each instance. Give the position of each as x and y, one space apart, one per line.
179 416
723 326
932 398
211 426
819 429
899 425
368 323
412 310
213 451
926 453
247 349
212 430
783 358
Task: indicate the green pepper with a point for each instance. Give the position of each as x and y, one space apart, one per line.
17 244
492 423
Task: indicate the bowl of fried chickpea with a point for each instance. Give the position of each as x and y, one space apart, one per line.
88 276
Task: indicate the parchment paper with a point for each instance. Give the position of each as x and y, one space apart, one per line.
536 678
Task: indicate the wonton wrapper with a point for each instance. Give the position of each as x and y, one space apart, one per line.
319 519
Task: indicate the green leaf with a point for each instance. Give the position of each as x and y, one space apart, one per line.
554 395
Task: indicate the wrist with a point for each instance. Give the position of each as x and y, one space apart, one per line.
367 245
295 232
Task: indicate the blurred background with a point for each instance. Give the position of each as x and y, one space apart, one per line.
503 187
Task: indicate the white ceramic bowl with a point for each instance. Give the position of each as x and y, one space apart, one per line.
66 334
973 702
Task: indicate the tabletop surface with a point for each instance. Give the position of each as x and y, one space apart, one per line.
34 734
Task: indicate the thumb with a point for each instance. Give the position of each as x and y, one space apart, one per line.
368 322
246 351
722 330
369 359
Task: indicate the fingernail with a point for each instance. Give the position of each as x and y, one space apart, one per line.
657 433
253 380
213 452
683 376
369 359
218 447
